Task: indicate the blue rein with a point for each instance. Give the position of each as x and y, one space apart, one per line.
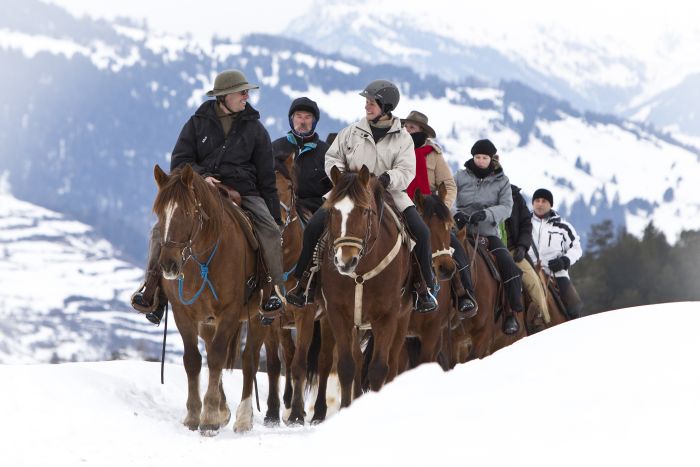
204 272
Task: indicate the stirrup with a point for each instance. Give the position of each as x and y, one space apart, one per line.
138 303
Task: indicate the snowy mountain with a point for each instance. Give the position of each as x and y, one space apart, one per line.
91 106
64 295
599 68
618 388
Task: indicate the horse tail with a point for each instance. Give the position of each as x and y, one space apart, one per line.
368 344
233 345
312 357
413 348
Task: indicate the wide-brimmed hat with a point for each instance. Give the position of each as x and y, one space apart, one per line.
421 120
230 81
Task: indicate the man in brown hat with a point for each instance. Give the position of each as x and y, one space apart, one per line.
431 171
225 143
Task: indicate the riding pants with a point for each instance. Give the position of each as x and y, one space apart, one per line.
510 274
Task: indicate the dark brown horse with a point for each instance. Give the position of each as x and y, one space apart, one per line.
302 319
206 259
481 335
363 280
425 332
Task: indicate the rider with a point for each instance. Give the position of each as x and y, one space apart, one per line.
484 199
225 143
431 171
556 246
308 150
379 142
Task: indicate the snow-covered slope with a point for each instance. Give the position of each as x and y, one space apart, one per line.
612 59
63 294
618 388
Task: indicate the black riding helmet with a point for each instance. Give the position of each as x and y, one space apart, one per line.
384 92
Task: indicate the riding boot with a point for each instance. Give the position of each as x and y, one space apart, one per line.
510 325
304 292
272 306
149 299
426 300
466 303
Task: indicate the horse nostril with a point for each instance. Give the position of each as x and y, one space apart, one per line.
335 260
353 262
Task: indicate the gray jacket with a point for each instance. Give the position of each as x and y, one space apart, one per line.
492 193
354 147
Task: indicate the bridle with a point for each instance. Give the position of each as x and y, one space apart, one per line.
357 242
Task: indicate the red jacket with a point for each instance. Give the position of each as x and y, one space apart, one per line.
421 180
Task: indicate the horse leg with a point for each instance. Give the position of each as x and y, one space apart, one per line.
325 365
192 361
384 332
274 367
288 351
305 332
213 417
398 346
344 336
251 359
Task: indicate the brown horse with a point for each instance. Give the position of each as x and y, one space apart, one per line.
302 319
206 288
535 323
481 335
363 279
425 331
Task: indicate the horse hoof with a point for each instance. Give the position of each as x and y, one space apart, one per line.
271 422
209 430
242 427
317 421
295 421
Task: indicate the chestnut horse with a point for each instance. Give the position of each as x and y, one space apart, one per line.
425 331
481 335
302 319
364 276
206 260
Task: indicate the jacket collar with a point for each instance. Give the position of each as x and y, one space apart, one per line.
550 218
395 125
208 110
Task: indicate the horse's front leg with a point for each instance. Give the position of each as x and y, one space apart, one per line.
325 365
304 322
384 331
342 327
251 360
192 361
216 412
398 346
274 368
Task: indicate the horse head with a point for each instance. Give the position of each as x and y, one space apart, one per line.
437 217
186 207
284 179
353 220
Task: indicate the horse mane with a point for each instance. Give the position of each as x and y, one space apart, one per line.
434 206
210 202
350 186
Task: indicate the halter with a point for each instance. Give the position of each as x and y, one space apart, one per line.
360 243
443 252
188 253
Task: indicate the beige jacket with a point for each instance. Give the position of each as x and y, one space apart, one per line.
394 154
439 172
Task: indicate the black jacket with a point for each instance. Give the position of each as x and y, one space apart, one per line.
519 224
309 161
242 161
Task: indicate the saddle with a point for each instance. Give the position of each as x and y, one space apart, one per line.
237 213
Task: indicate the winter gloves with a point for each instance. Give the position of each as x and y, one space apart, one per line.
384 179
559 264
462 219
519 254
477 217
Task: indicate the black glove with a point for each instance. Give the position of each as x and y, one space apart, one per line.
559 264
477 217
519 254
384 179
461 220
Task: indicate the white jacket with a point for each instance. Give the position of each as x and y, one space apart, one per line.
394 153
554 238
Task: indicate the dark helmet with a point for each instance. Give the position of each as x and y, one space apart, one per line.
384 92
307 105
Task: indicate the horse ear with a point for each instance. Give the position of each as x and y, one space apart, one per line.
364 175
442 192
187 176
160 176
418 199
335 175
